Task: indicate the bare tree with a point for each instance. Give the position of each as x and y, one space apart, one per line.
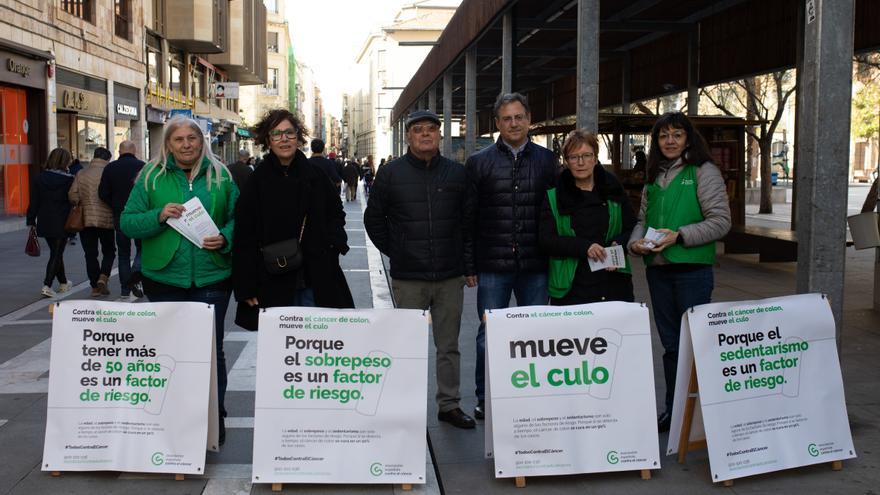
763 97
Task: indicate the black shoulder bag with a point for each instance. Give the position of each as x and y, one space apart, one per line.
284 256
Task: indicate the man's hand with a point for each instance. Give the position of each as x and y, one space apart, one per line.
470 281
252 302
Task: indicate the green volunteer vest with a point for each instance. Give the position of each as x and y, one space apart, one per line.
676 206
561 275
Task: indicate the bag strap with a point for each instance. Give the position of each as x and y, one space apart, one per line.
302 228
872 199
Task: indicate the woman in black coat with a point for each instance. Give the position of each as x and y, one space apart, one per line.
48 210
281 195
600 216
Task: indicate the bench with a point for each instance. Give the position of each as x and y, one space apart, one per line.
771 245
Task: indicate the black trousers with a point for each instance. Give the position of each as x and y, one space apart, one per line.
55 266
90 237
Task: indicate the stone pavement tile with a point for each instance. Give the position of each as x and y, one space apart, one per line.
454 445
12 405
240 404
22 438
19 338
101 482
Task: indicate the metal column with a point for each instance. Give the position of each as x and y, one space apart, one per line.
447 114
694 72
395 139
507 52
625 103
588 65
432 98
823 142
470 100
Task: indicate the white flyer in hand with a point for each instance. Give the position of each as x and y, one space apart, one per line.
613 258
653 237
195 224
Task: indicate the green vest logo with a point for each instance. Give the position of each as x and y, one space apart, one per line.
612 457
158 459
376 469
813 450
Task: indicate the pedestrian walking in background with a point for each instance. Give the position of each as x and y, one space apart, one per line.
510 179
242 168
288 200
115 187
419 216
685 198
48 210
369 173
98 222
351 174
327 165
175 269
586 212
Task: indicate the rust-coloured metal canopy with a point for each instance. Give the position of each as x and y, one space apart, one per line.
737 38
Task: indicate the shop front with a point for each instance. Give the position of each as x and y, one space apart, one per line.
126 112
81 103
23 129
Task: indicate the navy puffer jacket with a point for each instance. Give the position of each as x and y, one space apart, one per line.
419 215
509 197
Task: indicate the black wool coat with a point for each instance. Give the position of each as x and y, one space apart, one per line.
49 206
273 204
589 220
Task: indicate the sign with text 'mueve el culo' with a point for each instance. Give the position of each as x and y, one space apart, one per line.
571 390
771 391
341 396
129 387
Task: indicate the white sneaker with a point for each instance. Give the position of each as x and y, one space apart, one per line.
48 292
62 288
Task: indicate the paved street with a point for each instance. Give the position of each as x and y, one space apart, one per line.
24 362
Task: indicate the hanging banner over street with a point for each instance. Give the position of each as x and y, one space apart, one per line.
571 390
341 396
129 387
771 391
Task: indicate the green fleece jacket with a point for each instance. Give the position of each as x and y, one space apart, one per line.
167 256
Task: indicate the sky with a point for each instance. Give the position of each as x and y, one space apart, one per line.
327 35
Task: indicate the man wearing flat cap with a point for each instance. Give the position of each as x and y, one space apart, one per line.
418 215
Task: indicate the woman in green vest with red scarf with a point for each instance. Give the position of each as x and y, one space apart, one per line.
173 268
587 212
685 198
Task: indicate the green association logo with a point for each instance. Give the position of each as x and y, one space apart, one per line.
813 450
158 459
376 469
612 457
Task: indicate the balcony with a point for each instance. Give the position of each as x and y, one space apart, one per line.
196 26
245 58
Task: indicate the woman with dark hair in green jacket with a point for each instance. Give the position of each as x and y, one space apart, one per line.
173 268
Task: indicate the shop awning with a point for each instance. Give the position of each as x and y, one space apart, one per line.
243 132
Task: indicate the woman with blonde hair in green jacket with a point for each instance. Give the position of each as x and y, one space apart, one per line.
173 268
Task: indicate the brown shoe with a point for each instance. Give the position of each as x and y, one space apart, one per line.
102 285
96 292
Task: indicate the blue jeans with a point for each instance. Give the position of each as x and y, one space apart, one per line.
493 292
304 298
123 248
220 299
673 293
